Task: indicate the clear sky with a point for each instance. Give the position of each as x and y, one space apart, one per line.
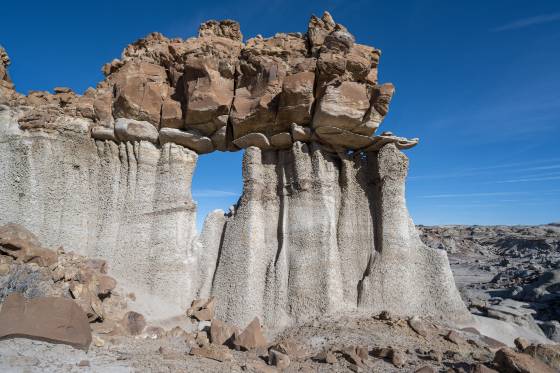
477 81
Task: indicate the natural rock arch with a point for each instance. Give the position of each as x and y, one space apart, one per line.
322 225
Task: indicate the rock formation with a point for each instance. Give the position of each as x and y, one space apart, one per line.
322 225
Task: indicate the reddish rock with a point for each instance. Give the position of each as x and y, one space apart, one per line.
252 337
510 361
548 354
22 245
292 348
221 333
57 320
105 284
455 337
521 343
278 359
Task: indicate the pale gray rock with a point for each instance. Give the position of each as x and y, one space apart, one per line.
310 236
103 133
135 130
128 203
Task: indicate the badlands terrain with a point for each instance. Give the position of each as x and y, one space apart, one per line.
317 267
505 273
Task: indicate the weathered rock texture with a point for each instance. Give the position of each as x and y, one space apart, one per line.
322 225
317 233
129 203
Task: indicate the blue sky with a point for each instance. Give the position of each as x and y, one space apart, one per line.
477 81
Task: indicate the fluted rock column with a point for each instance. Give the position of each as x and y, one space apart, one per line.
404 276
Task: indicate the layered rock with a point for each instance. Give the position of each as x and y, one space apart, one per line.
316 233
214 92
322 225
129 203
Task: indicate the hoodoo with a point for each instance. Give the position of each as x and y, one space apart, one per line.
322 225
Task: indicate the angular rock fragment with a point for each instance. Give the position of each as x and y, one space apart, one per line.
296 99
264 66
251 338
219 139
300 133
218 353
547 353
338 137
342 106
318 29
22 245
133 323
292 348
140 89
56 320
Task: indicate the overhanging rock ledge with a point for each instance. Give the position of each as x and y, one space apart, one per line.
321 227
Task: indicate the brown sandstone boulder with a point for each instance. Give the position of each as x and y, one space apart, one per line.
418 325
318 29
294 349
225 28
548 354
252 139
222 333
278 359
510 361
296 99
202 309
135 130
251 338
22 245
264 66
189 139
300 133
171 114
140 88
214 352
103 133
133 323
57 320
282 140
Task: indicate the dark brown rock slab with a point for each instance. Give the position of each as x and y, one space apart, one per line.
51 319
